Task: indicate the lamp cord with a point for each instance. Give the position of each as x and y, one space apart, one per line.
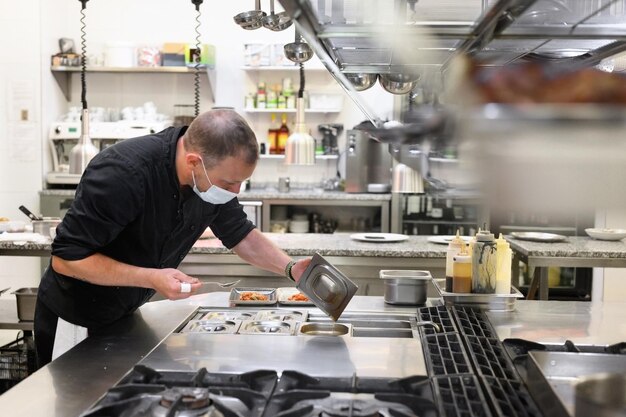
83 59
301 90
198 54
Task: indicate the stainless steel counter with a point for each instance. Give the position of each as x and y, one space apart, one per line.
576 251
72 383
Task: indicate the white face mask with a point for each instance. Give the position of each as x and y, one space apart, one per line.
215 194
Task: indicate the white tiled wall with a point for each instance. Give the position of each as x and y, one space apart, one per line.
30 30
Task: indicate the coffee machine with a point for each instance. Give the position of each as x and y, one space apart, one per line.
63 136
368 164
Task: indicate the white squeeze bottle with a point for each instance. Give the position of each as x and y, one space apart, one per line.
454 247
503 268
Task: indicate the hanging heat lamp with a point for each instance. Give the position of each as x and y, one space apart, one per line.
300 147
84 150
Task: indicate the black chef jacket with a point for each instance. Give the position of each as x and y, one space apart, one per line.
129 206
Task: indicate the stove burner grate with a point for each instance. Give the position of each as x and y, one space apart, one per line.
491 358
445 354
511 398
460 396
439 315
473 322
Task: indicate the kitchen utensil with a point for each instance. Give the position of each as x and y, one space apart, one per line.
378 188
606 234
324 329
398 83
298 51
29 213
538 237
601 395
26 300
405 287
276 22
283 184
221 284
44 225
4 290
406 180
362 81
252 19
379 237
326 287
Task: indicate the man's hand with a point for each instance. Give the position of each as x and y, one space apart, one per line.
167 282
299 267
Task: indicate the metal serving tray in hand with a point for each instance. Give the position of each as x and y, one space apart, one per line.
285 292
237 293
205 326
491 302
281 315
273 327
326 287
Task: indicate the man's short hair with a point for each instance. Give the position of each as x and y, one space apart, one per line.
218 134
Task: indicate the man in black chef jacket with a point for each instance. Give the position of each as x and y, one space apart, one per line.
139 208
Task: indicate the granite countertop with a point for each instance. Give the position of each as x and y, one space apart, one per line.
272 193
295 244
573 247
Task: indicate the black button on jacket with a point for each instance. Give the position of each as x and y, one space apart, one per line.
124 209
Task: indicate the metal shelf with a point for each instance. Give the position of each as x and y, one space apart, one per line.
291 110
281 68
450 222
62 74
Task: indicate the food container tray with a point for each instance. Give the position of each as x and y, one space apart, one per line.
284 293
490 302
205 326
325 329
268 327
237 293
223 315
26 300
281 315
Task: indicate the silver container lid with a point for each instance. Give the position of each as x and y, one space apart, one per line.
326 287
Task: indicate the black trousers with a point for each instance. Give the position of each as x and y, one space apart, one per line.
45 329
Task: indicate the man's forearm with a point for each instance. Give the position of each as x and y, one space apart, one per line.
259 251
102 270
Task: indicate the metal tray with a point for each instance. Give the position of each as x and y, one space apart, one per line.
325 329
285 292
223 315
552 377
326 286
538 237
281 315
490 302
268 327
235 296
212 327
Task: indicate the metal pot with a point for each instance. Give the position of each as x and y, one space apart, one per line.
43 226
601 395
405 287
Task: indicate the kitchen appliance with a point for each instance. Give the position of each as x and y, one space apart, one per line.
330 132
63 136
367 162
148 392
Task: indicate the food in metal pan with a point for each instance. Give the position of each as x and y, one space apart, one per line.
298 297
252 296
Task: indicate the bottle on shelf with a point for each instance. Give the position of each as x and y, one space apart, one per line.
272 98
454 247
272 136
283 134
261 96
484 263
503 268
462 271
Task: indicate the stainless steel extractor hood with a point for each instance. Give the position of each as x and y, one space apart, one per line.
418 37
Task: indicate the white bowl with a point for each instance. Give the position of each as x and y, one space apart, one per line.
606 234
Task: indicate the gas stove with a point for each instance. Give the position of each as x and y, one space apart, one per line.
145 392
